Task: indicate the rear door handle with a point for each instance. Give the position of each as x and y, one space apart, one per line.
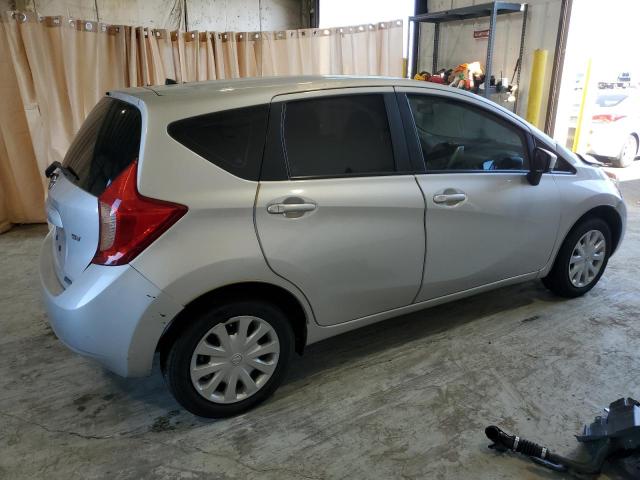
449 198
276 208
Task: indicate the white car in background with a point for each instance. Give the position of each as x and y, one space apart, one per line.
615 127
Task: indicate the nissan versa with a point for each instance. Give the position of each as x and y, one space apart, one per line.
228 224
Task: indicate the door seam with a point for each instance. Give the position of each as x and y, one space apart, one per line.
266 260
424 227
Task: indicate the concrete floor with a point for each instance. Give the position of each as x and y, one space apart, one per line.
406 398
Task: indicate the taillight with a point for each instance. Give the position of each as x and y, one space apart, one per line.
129 222
607 117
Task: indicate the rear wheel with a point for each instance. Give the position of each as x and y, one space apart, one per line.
628 152
581 260
230 358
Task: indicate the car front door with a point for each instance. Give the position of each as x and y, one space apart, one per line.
484 221
339 213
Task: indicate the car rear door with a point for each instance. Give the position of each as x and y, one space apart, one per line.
107 142
485 223
338 212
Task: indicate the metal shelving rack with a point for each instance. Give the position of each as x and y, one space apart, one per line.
491 10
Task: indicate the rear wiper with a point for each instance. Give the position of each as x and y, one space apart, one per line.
57 165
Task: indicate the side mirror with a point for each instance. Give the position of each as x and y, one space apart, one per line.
543 161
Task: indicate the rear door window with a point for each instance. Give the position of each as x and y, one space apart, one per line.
346 135
231 139
107 142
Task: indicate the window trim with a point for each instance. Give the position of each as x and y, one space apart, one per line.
525 135
272 167
275 165
413 143
562 172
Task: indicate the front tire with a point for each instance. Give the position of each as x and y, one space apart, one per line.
627 153
230 358
581 260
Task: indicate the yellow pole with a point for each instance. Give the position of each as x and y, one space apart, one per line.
583 102
536 85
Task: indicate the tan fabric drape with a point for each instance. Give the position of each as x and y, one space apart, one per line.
53 70
21 135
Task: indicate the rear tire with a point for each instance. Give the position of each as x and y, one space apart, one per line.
578 265
627 153
233 374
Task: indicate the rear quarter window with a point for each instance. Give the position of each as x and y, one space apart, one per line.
231 139
107 142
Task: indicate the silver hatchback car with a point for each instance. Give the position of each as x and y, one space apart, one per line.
227 225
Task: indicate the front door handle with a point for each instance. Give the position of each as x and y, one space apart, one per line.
449 198
285 208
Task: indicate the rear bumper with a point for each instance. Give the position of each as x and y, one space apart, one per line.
111 314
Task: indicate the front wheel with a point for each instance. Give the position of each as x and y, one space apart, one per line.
230 358
628 152
581 260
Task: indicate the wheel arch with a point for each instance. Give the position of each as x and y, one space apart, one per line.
245 290
610 216
636 135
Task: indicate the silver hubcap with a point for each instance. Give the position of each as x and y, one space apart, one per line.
587 258
235 359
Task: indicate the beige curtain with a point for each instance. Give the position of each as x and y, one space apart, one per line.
21 137
54 69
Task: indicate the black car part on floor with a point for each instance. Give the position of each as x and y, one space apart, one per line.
614 434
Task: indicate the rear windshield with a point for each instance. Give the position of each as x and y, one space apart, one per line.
107 142
610 100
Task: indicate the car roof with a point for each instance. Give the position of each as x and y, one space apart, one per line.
188 99
266 86
277 85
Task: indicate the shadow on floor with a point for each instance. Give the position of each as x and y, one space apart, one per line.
420 325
